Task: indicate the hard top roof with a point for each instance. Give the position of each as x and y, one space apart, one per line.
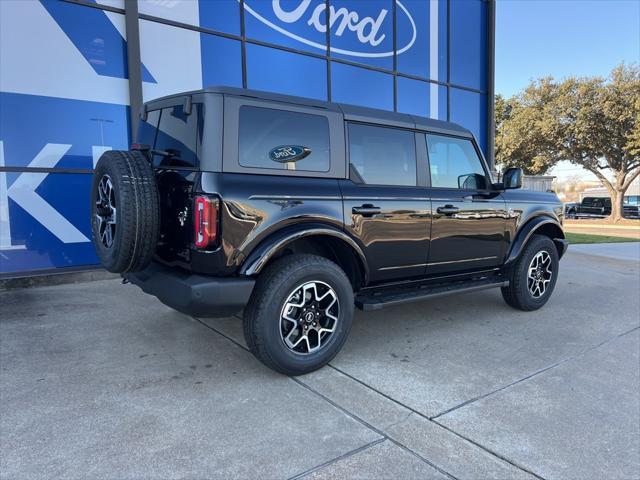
350 112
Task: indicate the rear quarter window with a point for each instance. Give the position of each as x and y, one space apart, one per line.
382 155
262 131
147 128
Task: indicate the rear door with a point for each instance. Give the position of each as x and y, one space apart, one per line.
469 218
385 205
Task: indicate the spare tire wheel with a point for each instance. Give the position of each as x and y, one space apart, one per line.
125 211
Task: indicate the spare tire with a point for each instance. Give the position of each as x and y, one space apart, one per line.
125 211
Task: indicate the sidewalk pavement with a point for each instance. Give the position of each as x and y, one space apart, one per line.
620 251
101 380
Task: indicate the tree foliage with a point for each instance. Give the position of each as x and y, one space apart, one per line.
591 122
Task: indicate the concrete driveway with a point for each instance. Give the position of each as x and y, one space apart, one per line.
100 380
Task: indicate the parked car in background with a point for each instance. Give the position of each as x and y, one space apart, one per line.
600 207
570 209
632 206
594 207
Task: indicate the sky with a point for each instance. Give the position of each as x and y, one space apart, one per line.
536 38
561 38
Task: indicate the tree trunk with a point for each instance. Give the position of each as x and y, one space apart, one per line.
617 202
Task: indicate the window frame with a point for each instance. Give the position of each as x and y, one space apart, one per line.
483 163
231 145
422 179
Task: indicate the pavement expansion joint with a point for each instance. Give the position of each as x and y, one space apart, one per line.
383 435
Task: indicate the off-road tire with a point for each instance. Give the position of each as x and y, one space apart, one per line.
138 211
261 319
517 294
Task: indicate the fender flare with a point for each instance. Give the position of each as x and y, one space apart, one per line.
531 227
271 245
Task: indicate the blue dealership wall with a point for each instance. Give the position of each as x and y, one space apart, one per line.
64 85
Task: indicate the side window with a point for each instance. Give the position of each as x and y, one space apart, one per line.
283 140
180 135
147 128
454 163
383 156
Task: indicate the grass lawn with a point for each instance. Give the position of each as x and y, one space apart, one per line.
576 238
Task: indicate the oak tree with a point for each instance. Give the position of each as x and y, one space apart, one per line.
591 122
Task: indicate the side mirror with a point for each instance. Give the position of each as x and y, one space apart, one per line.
472 181
512 178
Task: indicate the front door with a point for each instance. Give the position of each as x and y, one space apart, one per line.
384 208
469 219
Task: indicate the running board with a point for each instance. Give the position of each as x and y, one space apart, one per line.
397 296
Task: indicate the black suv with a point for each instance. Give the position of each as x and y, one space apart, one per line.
600 207
295 211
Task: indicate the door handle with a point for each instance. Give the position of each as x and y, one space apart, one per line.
447 210
366 210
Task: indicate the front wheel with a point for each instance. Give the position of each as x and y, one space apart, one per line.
533 276
299 314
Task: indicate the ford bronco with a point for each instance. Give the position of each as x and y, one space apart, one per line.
295 211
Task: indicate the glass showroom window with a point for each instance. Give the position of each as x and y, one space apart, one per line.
183 72
283 72
363 32
102 46
221 61
469 43
360 86
422 98
296 24
219 15
427 56
470 110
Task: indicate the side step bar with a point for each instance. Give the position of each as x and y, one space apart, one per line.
376 300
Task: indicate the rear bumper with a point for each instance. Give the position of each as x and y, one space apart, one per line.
197 295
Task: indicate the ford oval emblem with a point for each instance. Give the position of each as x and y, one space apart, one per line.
367 30
288 153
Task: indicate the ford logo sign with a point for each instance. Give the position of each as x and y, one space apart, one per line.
288 153
365 29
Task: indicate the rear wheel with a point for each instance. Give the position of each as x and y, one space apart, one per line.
299 314
125 211
533 276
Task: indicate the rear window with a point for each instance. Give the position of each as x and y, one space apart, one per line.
147 128
180 135
267 138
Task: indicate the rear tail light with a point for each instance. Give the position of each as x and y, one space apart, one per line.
205 222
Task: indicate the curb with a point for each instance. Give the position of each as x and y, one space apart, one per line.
601 225
56 279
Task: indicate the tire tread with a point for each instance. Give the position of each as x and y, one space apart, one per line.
255 315
138 211
516 294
